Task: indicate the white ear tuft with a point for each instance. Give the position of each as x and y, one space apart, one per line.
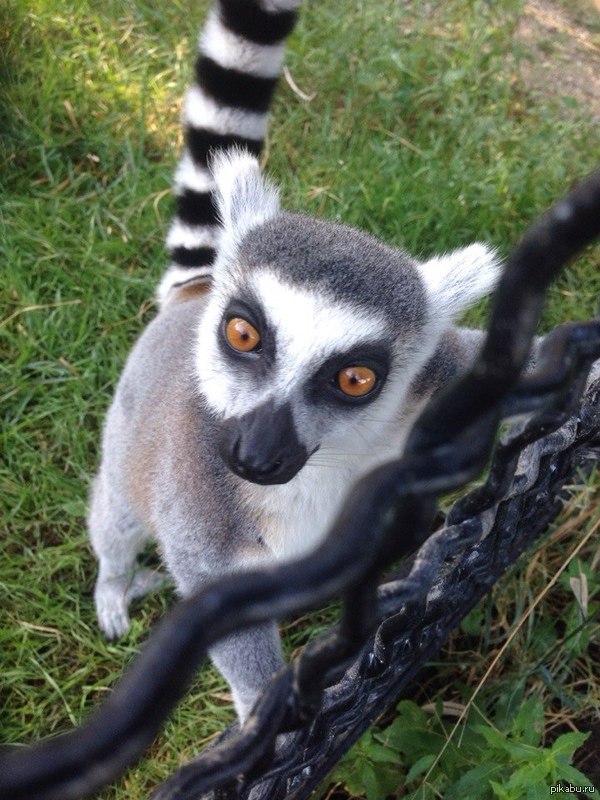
457 280
244 198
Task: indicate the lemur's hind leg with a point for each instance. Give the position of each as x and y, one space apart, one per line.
117 536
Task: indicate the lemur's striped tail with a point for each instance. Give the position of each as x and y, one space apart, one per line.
240 57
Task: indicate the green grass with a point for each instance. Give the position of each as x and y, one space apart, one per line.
420 131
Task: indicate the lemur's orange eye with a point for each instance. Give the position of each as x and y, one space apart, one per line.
242 335
356 381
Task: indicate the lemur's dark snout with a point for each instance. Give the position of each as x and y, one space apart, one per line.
263 446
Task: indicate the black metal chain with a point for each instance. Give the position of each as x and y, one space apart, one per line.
460 563
388 516
449 574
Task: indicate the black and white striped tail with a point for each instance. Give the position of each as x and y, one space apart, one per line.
240 56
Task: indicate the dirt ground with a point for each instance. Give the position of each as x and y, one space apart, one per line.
563 39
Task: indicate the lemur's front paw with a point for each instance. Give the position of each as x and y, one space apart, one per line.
111 601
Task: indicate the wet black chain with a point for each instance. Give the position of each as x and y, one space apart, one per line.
449 574
469 557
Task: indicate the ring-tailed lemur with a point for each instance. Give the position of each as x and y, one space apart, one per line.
247 409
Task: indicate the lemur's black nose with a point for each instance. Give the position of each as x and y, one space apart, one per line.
263 445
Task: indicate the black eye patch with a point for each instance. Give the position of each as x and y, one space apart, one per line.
325 385
250 310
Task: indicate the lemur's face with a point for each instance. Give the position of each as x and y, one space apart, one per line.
314 331
290 371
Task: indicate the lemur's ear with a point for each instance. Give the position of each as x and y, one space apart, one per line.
244 198
457 280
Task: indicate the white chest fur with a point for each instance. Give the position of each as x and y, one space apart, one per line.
295 517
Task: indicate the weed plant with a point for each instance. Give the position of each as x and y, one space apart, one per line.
420 130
